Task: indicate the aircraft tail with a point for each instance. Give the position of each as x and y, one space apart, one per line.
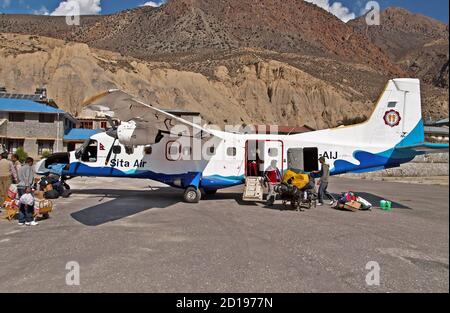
397 119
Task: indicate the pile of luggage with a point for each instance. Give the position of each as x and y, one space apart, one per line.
351 202
54 187
298 189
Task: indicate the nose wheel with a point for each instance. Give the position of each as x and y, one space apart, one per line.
192 195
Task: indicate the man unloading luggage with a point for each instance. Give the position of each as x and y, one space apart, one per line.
324 174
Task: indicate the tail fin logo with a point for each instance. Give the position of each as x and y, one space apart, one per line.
392 118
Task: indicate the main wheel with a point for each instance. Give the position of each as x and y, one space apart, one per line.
192 195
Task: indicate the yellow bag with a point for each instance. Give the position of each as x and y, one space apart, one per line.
298 180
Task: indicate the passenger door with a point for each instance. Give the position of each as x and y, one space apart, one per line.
273 152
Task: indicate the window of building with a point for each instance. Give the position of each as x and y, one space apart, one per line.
45 146
104 125
17 117
14 144
46 118
87 124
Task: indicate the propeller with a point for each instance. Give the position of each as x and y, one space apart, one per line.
112 132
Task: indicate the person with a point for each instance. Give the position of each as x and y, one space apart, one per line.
324 174
26 208
16 162
8 174
273 177
26 176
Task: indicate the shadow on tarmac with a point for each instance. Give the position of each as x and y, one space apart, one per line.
117 204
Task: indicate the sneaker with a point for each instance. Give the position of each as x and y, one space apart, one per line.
319 204
33 223
331 202
21 224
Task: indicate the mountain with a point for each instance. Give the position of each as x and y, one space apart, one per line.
236 61
417 43
206 26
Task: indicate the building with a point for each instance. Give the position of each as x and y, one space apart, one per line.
36 124
92 120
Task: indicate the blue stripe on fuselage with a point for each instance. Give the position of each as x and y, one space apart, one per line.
174 180
394 157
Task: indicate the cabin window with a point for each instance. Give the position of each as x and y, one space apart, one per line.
148 150
211 151
392 104
232 151
273 152
117 150
173 151
129 150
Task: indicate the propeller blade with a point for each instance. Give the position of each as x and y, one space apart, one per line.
110 152
112 133
111 122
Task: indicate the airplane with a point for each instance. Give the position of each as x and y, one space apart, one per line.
153 144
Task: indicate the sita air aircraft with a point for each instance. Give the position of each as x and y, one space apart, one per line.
153 144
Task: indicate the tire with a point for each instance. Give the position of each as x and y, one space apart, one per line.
210 192
192 195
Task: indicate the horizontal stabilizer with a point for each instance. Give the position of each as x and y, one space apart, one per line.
427 148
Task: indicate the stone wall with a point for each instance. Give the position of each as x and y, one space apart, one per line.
422 166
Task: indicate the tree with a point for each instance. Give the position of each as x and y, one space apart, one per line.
22 154
46 153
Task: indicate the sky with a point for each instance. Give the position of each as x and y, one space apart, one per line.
344 9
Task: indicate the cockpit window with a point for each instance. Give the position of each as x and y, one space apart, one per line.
89 154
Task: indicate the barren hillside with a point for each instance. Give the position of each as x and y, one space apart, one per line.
417 43
236 61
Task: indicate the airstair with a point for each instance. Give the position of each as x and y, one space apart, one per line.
254 189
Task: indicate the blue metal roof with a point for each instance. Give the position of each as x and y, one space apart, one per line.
22 105
79 134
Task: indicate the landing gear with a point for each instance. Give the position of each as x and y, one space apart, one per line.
192 195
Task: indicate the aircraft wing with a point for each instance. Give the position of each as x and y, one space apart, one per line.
124 107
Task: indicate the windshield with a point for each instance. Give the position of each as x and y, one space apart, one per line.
79 152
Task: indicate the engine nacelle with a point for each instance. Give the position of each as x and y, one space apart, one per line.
130 135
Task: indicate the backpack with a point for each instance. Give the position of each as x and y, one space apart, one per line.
51 194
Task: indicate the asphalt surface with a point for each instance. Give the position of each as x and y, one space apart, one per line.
129 238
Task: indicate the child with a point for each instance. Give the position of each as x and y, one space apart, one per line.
26 207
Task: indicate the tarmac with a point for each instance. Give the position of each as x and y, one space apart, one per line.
138 236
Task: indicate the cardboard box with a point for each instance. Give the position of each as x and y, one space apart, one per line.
352 206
